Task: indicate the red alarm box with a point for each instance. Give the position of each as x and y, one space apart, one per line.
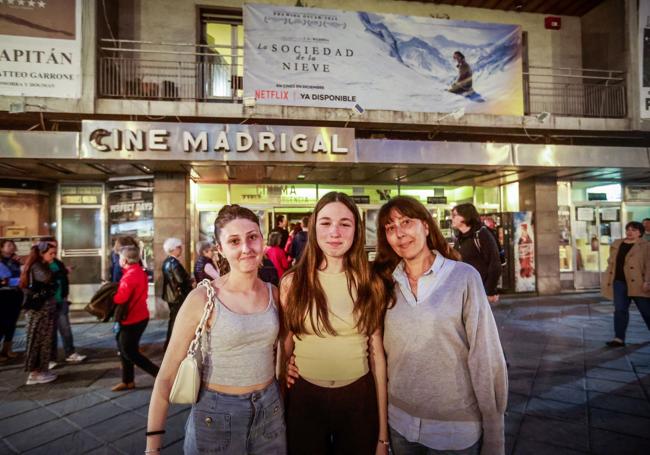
553 22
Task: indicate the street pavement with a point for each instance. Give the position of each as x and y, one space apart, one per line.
569 394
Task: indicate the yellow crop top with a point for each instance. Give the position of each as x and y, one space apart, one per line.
341 357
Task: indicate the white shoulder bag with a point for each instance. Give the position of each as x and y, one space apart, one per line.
188 378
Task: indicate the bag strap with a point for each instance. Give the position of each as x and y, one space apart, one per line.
477 241
207 311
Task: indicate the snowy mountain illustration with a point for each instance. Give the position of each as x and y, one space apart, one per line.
433 58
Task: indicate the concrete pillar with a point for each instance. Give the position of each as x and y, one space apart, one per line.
171 203
540 197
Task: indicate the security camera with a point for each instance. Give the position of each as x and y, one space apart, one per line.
542 116
357 110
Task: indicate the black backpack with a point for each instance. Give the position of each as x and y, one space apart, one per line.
502 252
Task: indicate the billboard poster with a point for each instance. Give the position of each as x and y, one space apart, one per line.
644 56
40 50
341 59
524 252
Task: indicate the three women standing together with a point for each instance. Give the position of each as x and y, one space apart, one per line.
437 382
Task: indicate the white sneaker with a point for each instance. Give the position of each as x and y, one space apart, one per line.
75 358
40 378
52 365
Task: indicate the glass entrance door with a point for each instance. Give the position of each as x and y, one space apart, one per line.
595 227
81 233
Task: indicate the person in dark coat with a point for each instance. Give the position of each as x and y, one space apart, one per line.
176 281
11 297
299 240
281 227
463 83
477 247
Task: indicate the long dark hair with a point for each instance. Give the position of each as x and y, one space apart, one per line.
386 259
35 255
306 296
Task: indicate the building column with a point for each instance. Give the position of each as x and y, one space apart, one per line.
171 202
540 197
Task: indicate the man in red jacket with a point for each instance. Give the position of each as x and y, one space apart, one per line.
132 315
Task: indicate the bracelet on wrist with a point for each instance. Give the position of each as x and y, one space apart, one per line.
153 433
386 443
152 450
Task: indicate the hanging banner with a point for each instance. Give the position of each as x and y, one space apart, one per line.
40 48
357 60
644 56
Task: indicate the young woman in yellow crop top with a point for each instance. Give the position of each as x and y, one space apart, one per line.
332 313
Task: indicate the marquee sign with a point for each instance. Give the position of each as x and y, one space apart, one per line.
220 142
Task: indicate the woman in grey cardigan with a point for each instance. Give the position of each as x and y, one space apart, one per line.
447 378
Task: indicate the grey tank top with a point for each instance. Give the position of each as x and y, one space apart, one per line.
238 348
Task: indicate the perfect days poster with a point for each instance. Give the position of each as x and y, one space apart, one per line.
327 58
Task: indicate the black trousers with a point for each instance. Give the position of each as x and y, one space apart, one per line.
333 421
128 342
11 301
174 308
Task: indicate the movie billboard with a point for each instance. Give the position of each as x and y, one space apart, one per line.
524 252
40 48
340 59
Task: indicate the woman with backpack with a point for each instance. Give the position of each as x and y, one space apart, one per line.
478 247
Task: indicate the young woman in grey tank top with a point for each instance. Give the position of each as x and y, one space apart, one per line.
239 410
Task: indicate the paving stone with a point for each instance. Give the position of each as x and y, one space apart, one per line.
46 432
72 443
558 393
563 433
620 423
513 422
619 403
517 402
607 443
121 425
176 427
134 399
76 403
576 413
621 363
95 414
5 448
526 447
175 449
11 407
611 375
24 421
132 443
615 388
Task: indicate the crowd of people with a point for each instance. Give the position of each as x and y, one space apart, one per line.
330 353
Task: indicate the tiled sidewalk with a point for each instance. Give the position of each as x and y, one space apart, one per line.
569 394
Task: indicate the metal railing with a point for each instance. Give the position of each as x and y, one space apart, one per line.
575 92
175 71
169 71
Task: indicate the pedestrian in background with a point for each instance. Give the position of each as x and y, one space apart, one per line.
333 310
477 247
177 283
447 376
132 314
120 242
300 240
204 268
239 408
627 278
276 254
37 280
62 317
281 227
646 229
11 297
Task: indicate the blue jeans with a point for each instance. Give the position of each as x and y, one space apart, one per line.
251 423
401 446
62 325
622 304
